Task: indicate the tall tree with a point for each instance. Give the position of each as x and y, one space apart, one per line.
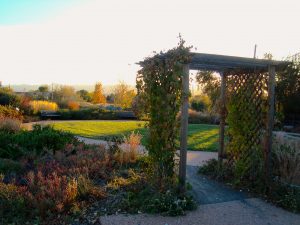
43 88
98 96
85 95
124 95
211 86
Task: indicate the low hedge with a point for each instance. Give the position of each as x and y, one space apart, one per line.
202 118
87 114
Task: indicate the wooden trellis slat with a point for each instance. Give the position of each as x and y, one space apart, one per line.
247 90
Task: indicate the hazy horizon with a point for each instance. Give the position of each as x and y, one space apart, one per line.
85 41
89 87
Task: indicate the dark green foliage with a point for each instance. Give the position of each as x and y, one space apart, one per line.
139 107
160 83
245 122
43 88
37 142
198 106
85 95
288 89
286 196
87 114
216 170
132 193
10 166
7 97
168 203
201 103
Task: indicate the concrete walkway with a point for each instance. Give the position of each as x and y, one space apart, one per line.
206 191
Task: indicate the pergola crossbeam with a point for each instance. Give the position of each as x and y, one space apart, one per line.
223 62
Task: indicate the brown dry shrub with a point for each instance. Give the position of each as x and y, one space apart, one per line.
73 105
10 112
10 125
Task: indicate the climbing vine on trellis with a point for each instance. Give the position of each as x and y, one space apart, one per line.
159 82
246 122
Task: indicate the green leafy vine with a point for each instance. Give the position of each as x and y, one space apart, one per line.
159 82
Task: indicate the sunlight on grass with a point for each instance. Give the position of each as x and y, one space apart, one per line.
203 137
99 129
200 136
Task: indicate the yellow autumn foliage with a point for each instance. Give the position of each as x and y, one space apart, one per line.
37 106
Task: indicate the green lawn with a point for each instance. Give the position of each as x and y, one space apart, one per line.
200 136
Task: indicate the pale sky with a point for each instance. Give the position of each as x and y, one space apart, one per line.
85 41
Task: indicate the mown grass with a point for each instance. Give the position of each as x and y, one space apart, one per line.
200 136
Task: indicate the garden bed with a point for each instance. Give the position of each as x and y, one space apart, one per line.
48 177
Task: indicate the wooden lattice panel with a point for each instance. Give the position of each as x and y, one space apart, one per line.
246 103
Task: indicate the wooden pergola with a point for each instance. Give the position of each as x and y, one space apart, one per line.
224 65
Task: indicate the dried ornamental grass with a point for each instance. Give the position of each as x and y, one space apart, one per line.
10 125
287 157
129 150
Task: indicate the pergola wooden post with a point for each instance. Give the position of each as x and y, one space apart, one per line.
184 127
270 121
222 117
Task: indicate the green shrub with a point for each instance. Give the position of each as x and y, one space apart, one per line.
216 170
10 166
139 196
200 103
7 97
286 196
168 203
38 141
